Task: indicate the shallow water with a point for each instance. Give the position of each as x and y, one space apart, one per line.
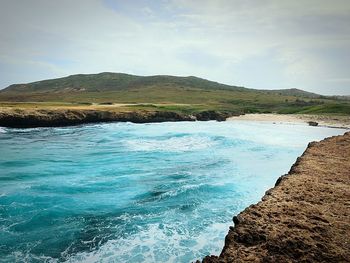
127 192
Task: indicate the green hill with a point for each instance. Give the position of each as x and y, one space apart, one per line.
295 92
171 93
114 82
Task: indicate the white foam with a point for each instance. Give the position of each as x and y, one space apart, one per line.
2 130
27 256
179 190
173 144
157 239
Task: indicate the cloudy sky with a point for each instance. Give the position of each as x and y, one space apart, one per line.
264 44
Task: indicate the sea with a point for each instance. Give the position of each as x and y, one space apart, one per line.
125 192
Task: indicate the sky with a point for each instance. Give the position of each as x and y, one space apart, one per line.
262 44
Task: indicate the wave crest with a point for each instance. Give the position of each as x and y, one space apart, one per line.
172 144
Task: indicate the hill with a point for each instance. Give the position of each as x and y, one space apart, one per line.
170 93
108 81
296 92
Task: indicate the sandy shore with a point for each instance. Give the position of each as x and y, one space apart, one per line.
322 120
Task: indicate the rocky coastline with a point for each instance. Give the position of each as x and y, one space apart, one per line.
68 117
304 218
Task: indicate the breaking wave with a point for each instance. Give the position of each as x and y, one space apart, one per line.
172 144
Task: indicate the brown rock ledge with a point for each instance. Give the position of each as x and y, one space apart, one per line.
304 218
19 118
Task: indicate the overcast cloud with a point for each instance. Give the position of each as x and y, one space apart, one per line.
265 44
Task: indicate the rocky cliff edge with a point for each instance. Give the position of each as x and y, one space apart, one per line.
304 218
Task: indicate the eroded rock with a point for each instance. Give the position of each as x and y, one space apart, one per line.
304 218
54 118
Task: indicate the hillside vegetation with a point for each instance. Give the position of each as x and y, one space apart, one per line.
169 93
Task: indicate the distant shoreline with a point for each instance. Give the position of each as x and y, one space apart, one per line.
36 115
342 122
34 118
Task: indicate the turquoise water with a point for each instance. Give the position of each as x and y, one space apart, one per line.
127 192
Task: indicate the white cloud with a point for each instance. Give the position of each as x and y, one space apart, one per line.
261 44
